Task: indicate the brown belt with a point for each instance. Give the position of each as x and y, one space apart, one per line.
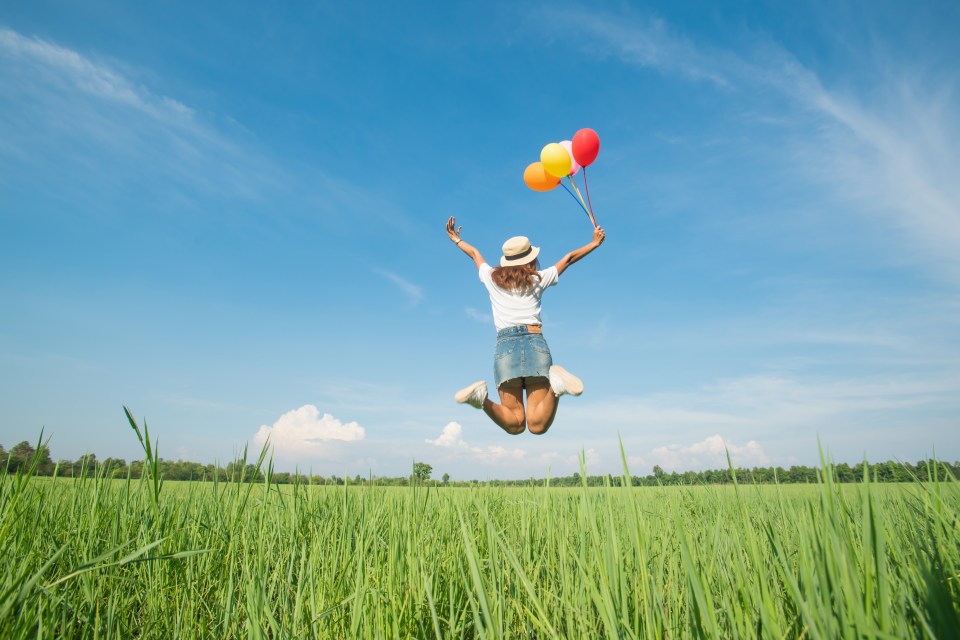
534 328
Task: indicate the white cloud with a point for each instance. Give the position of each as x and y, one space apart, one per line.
709 453
497 453
548 457
451 437
636 462
413 292
303 432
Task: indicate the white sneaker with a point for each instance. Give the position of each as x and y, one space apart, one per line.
474 395
562 381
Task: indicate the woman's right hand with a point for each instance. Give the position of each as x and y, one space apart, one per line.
599 235
452 231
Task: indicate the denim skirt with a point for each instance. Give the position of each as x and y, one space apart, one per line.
520 354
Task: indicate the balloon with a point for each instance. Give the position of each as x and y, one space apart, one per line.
556 161
566 144
538 179
586 146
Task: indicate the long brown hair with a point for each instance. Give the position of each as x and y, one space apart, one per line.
516 279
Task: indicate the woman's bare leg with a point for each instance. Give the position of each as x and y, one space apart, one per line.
541 405
509 415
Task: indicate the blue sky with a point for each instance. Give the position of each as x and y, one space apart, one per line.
229 217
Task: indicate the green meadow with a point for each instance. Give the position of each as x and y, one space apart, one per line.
93 557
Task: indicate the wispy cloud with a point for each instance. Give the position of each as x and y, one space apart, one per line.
779 410
748 403
102 131
479 316
895 157
69 69
890 150
413 292
188 401
640 40
65 103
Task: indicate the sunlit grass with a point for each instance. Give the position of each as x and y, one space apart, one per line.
93 557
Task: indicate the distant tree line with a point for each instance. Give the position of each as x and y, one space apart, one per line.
25 454
889 471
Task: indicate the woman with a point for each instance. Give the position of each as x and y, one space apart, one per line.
522 360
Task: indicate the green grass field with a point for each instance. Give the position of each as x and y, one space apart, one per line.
93 557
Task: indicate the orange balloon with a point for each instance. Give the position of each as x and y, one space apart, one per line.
538 179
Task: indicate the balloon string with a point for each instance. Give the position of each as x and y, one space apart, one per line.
575 198
582 203
587 189
579 197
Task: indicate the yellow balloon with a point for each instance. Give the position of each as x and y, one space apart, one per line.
556 161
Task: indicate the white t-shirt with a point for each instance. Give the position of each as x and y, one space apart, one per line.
511 309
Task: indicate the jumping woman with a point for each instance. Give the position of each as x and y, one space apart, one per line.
522 360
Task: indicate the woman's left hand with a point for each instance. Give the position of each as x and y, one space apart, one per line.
599 235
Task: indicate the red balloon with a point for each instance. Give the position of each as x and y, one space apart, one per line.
586 146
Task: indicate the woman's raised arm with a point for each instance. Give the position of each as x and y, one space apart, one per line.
598 237
454 234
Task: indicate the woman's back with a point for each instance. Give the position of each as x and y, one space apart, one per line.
516 307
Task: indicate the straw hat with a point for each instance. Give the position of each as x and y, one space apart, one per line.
518 250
